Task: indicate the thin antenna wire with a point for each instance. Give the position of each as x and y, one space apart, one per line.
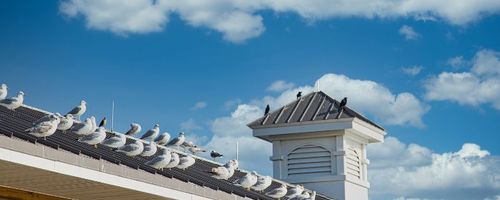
112 115
237 151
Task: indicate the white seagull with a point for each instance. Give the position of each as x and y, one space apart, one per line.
247 181
263 182
151 134
149 149
161 161
94 124
66 122
295 191
82 128
277 192
134 129
174 161
14 102
45 128
95 137
224 172
79 110
177 141
195 149
3 91
187 144
162 139
117 141
304 196
132 149
185 162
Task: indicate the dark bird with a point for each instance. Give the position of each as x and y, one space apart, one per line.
299 95
267 110
343 102
103 122
215 154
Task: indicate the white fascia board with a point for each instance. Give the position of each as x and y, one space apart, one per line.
368 131
88 174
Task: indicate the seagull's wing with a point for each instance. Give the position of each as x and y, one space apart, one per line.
7 101
173 141
75 110
128 148
112 140
148 134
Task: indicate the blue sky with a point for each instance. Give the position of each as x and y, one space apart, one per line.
156 73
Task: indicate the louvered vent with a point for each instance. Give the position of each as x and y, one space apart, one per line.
353 162
309 159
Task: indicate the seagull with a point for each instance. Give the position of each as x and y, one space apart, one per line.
185 162
132 149
295 191
174 160
79 110
263 182
94 124
177 141
66 122
82 128
277 192
149 149
161 161
3 91
95 137
223 172
195 149
299 94
215 155
44 128
103 122
304 196
134 129
233 163
247 181
14 102
162 139
151 133
267 110
116 141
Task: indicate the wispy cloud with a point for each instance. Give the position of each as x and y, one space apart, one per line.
412 71
279 86
199 105
408 32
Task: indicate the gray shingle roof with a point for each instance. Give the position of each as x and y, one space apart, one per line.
13 124
315 106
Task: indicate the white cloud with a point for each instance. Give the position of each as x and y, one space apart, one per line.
190 125
279 86
199 105
478 86
457 62
239 20
398 169
408 32
412 71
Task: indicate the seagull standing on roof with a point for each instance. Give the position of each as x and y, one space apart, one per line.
103 122
14 102
151 134
187 144
79 110
223 172
159 162
263 182
134 129
185 162
177 141
117 141
304 196
295 191
94 124
215 155
3 91
267 110
174 160
149 149
247 181
195 149
132 149
82 128
299 94
162 139
95 137
45 128
66 122
277 192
